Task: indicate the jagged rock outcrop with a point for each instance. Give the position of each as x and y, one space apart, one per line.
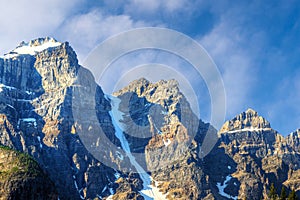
95 146
249 119
22 178
38 80
163 129
293 140
249 156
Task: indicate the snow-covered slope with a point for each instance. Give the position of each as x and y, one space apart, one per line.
32 47
149 192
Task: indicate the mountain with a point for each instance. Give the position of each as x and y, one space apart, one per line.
163 130
250 156
141 142
37 82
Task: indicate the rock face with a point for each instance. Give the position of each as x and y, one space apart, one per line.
246 120
92 146
161 126
38 80
22 178
249 156
293 140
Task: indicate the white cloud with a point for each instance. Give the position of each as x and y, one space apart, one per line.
25 20
234 62
285 99
145 7
86 31
173 5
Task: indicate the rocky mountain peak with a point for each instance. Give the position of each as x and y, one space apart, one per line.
32 47
142 87
41 84
293 139
38 42
246 120
140 81
252 112
296 133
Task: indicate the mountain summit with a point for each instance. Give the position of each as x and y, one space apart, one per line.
248 120
32 47
142 142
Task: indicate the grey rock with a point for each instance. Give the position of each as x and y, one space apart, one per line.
36 106
257 156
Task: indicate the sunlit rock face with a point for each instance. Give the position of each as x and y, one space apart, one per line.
161 127
246 120
253 155
86 141
37 82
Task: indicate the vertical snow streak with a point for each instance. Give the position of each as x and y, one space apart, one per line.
149 192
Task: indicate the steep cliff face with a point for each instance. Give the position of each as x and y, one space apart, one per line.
38 80
293 140
161 127
246 120
249 156
22 178
143 142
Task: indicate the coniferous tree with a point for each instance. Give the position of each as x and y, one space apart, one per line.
283 194
272 194
292 195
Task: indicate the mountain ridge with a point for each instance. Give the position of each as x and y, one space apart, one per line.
162 132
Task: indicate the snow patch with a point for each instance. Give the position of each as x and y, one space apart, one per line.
222 187
111 191
110 197
26 48
10 106
7 87
147 105
39 139
152 192
117 175
29 93
76 186
164 112
120 156
104 189
166 143
24 100
28 120
251 129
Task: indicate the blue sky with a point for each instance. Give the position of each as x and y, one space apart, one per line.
255 44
